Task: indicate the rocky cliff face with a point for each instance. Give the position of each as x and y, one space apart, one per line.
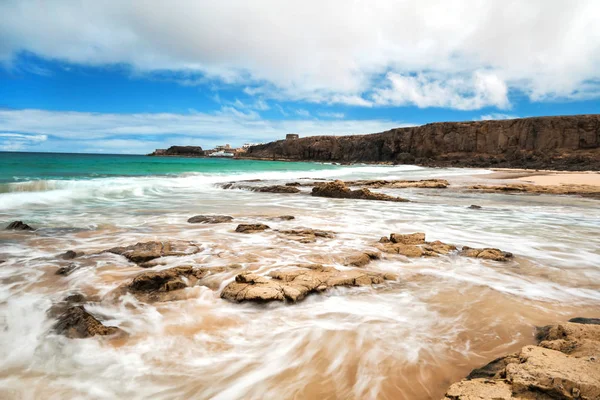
568 142
182 151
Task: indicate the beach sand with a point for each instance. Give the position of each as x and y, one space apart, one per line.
542 177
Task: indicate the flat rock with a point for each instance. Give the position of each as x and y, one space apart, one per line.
209 219
18 226
413 245
251 228
339 190
283 218
486 253
77 323
580 320
411 238
146 251
306 235
584 190
277 189
480 389
401 184
293 285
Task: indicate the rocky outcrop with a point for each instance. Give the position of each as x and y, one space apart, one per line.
560 143
401 184
142 252
210 219
413 245
582 190
361 259
564 365
486 254
262 189
251 228
70 255
295 284
339 190
18 226
306 235
77 323
180 151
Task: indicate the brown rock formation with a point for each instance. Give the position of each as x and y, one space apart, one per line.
583 190
251 228
293 285
565 365
179 151
413 245
70 254
77 323
401 184
486 254
142 252
277 189
306 235
362 259
564 143
339 190
210 219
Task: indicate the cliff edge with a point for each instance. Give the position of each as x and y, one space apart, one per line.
561 143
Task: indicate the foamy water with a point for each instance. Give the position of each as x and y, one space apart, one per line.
406 339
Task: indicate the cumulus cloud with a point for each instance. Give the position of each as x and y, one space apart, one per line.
491 116
140 133
331 51
17 141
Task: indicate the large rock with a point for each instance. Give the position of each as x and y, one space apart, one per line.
411 238
77 323
560 143
181 151
210 219
71 254
18 226
295 284
565 365
361 259
339 190
413 245
146 251
251 228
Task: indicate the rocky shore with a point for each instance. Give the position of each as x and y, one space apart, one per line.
556 143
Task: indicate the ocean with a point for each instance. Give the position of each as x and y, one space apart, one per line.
407 338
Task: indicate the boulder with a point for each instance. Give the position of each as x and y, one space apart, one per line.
362 259
251 228
339 190
18 226
293 285
70 255
77 323
146 251
411 238
486 253
210 219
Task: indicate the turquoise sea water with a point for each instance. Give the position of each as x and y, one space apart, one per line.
15 166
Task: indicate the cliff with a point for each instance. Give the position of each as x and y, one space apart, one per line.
180 151
565 142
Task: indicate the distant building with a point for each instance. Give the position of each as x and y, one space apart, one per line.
223 147
292 136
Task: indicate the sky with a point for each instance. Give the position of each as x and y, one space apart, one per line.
113 76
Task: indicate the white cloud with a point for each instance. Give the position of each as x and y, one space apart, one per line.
302 113
127 133
337 115
330 51
491 116
18 141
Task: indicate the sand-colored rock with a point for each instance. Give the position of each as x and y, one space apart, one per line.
480 389
277 189
583 190
306 235
251 228
295 284
77 323
411 238
486 253
413 245
146 251
361 259
210 219
339 190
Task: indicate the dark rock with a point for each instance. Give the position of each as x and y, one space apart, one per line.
77 323
183 151
277 189
210 219
68 270
142 252
494 369
339 190
589 321
251 228
293 184
486 254
18 226
475 207
285 217
70 255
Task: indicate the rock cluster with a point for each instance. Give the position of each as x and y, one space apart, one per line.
339 190
295 284
486 254
146 251
18 226
210 219
413 245
564 365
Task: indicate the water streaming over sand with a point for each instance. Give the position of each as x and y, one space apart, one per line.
406 339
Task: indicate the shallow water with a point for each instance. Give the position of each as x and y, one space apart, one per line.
406 339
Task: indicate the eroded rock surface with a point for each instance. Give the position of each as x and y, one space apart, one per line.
295 284
362 259
486 253
583 190
146 251
564 365
306 235
77 323
210 219
401 184
71 254
251 228
277 189
18 226
339 190
413 245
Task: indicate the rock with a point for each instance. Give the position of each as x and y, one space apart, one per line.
480 389
294 284
210 219
284 218
339 190
384 239
18 226
401 184
66 303
580 320
146 251
494 369
77 323
583 190
362 259
475 207
179 151
571 338
293 184
70 254
251 228
277 189
411 238
68 270
559 143
486 254
307 235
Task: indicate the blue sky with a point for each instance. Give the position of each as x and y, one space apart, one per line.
113 78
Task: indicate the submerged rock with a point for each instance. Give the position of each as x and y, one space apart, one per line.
277 189
210 219
400 184
580 320
306 235
284 218
583 190
295 284
77 323
475 207
68 270
339 190
251 228
565 365
486 254
414 245
18 226
146 251
70 255
362 259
